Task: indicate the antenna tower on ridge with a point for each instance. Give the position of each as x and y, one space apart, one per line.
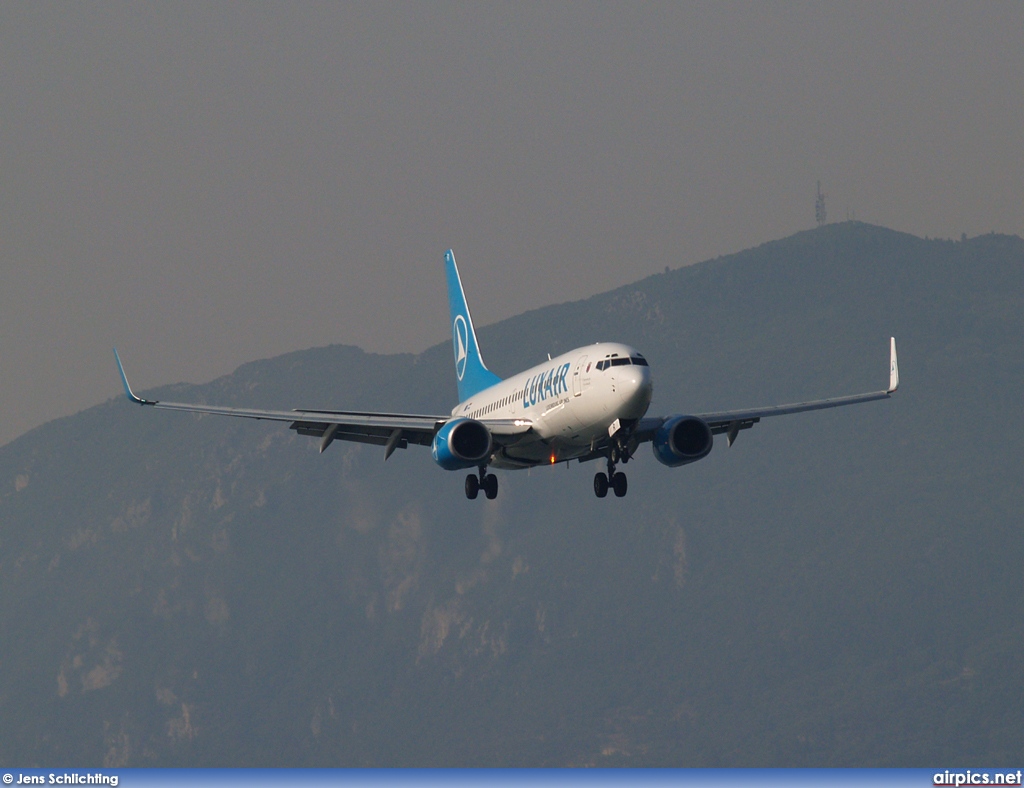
819 207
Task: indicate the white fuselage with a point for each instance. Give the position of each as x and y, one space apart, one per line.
571 400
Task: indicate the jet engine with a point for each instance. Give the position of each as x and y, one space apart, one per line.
681 440
462 443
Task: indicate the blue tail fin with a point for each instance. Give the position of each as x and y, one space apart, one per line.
473 376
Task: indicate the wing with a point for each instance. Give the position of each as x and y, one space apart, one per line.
391 430
732 421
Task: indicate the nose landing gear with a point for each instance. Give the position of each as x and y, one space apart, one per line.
615 480
487 482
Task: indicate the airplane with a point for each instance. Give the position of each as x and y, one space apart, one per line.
588 404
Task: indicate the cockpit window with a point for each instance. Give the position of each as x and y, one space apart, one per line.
615 361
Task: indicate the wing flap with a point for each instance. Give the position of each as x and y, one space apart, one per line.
377 435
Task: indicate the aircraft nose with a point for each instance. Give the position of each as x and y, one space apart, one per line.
635 387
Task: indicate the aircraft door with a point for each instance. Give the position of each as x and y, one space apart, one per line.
577 387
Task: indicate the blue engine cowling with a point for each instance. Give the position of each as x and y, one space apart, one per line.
682 439
462 443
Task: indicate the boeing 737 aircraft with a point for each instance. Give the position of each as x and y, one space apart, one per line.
588 404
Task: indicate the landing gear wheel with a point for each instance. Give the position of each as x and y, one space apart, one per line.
490 486
600 484
619 484
472 486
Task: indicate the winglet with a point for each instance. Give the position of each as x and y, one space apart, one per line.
128 389
894 368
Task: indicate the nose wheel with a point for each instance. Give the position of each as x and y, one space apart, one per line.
487 482
616 480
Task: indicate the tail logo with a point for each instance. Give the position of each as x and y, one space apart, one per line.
461 341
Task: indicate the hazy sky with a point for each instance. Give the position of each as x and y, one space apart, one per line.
208 184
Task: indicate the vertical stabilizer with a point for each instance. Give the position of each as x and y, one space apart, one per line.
470 372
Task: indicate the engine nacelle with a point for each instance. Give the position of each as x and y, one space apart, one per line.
462 443
682 439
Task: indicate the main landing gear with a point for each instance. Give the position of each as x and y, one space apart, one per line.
613 479
487 482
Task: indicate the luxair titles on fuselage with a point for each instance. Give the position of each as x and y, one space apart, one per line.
571 401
